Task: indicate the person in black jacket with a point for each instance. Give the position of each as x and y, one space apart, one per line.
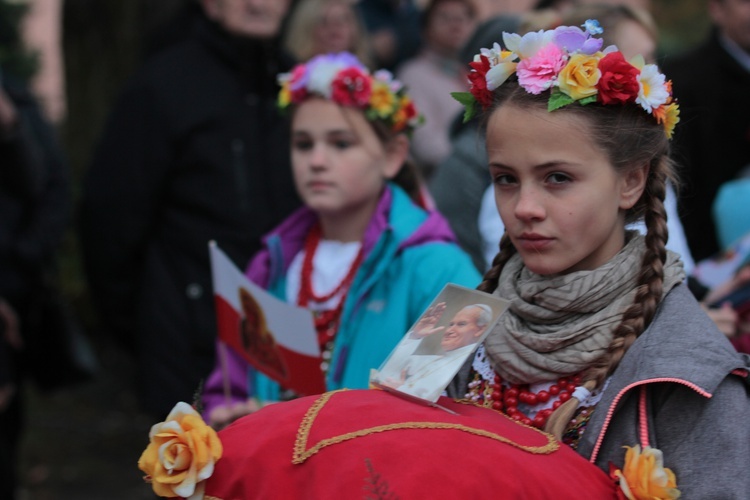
194 150
34 209
711 84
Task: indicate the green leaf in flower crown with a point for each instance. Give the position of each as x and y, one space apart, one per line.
587 100
469 103
558 99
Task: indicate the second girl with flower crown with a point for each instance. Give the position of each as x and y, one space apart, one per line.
362 254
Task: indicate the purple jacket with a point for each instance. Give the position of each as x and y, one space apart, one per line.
409 255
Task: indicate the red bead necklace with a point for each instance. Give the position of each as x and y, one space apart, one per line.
326 322
504 398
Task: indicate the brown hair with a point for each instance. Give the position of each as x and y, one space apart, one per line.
630 138
408 177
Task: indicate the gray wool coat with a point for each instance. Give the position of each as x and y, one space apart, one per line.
696 392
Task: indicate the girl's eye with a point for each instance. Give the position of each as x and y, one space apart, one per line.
302 145
504 179
343 143
558 178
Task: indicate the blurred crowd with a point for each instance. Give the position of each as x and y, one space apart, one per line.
195 150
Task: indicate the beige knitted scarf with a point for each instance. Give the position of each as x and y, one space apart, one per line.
558 326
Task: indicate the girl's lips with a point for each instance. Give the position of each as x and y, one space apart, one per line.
318 184
534 242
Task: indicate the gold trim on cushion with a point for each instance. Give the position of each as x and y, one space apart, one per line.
302 453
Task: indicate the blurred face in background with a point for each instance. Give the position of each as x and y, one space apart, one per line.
733 18
248 18
336 30
486 9
633 39
639 4
449 26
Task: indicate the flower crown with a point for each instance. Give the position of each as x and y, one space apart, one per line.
344 80
570 63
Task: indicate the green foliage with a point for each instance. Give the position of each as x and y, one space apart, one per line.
558 99
469 103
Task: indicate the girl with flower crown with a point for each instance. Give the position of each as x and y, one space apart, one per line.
603 345
361 254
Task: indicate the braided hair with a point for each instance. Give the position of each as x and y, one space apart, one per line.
630 139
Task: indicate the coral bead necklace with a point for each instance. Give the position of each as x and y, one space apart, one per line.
326 322
506 397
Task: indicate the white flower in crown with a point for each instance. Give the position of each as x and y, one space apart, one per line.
529 44
502 65
653 90
320 79
323 69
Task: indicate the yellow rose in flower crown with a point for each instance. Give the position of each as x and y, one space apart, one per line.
181 454
644 477
579 77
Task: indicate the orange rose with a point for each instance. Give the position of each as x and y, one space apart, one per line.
644 476
181 454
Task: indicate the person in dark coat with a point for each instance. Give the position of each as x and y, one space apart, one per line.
194 151
34 213
711 84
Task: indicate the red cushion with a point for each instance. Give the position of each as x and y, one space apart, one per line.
371 444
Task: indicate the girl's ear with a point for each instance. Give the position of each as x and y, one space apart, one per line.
633 184
396 154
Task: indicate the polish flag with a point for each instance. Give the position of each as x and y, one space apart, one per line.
276 338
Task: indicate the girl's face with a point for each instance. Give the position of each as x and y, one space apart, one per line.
339 164
561 200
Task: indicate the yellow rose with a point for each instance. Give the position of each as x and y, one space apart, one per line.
382 99
181 454
644 476
579 77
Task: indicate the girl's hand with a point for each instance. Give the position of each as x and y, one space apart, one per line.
221 416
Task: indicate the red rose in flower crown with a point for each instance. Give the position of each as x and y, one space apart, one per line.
619 81
351 87
478 79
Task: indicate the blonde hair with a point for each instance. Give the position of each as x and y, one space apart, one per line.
305 17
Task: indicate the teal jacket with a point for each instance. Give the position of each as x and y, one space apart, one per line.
410 255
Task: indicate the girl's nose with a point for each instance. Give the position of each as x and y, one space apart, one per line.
529 204
318 157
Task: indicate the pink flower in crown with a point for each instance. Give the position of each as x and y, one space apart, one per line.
351 87
537 73
298 83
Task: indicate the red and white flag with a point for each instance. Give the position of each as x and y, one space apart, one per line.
276 338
